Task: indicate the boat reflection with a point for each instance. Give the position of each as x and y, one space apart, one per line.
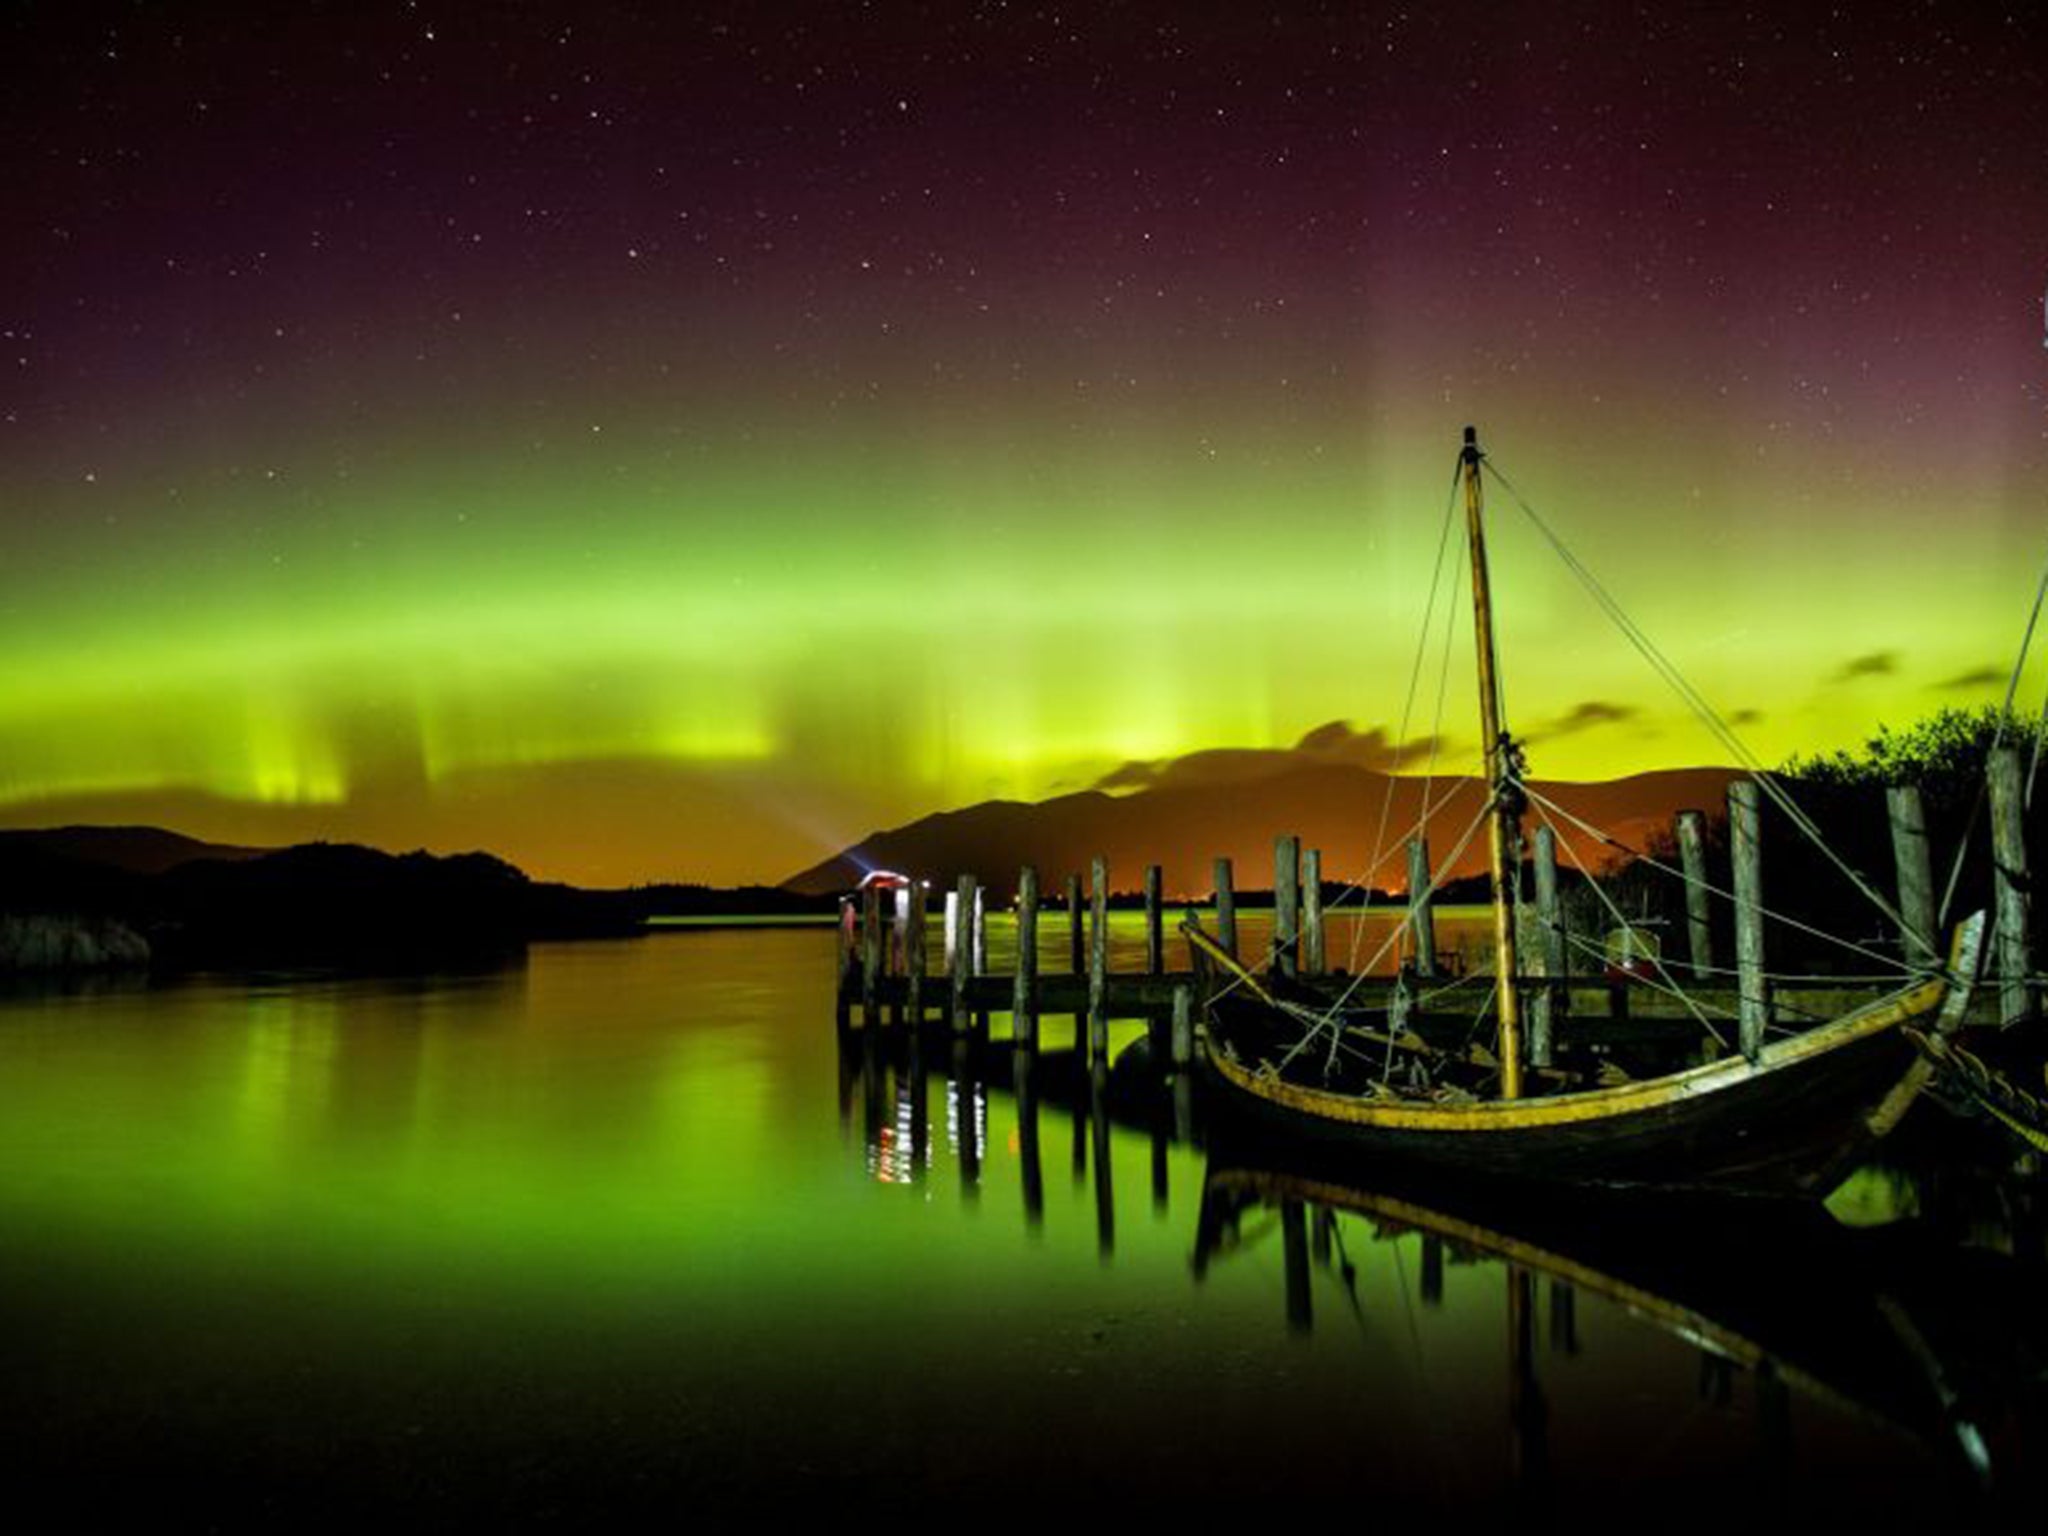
1775 1341
1896 1326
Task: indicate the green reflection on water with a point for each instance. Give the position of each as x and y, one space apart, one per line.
627 1199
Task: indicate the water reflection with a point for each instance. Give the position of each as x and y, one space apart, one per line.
1772 1349
622 1224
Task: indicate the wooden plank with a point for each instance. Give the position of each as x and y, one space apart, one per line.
1024 1005
1155 934
1692 854
2009 885
871 955
913 956
963 949
1226 907
1745 841
1287 904
1914 861
1421 922
1075 939
1315 956
1098 959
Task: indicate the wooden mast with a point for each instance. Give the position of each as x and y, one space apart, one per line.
1504 825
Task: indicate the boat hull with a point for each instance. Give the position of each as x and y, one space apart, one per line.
1788 1124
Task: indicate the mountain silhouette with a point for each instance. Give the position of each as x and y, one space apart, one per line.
1339 808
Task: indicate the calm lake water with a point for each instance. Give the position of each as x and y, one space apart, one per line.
624 1228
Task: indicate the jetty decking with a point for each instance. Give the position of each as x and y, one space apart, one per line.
887 932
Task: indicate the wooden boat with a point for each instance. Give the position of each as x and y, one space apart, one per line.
1785 1118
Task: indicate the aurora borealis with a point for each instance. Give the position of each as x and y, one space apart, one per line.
673 442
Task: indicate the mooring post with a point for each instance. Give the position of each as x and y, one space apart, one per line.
1226 907
1155 933
913 957
1745 840
1692 856
2009 881
950 931
1025 1083
979 956
1421 925
1183 1042
1024 1006
1079 962
1914 861
1543 1013
1294 1264
1287 904
1315 956
1098 960
963 948
871 955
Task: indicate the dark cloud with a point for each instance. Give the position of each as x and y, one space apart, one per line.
1583 717
1875 664
1335 742
1976 677
1746 717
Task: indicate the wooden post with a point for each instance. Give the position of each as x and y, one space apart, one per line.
1098 959
1421 924
1226 907
1692 854
1543 1015
871 955
1183 1026
1024 1005
1744 837
1286 904
2009 882
1294 1263
963 948
1155 934
1099 1143
1079 962
1315 959
978 956
950 931
913 957
1914 862
1431 1280
1032 1168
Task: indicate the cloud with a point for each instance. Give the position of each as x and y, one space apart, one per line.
1336 742
1976 677
1746 717
1874 664
1583 717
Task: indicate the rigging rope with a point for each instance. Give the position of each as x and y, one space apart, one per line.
2012 688
1696 702
1657 960
1443 543
1892 965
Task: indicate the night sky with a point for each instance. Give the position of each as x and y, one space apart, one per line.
670 442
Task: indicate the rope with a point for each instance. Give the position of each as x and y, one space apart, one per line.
1358 978
1436 575
2012 688
1892 966
1657 960
1693 700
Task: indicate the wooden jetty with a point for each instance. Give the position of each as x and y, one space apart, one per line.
884 979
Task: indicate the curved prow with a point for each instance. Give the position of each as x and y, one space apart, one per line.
1965 959
1965 962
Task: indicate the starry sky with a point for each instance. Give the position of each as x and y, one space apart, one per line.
672 441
